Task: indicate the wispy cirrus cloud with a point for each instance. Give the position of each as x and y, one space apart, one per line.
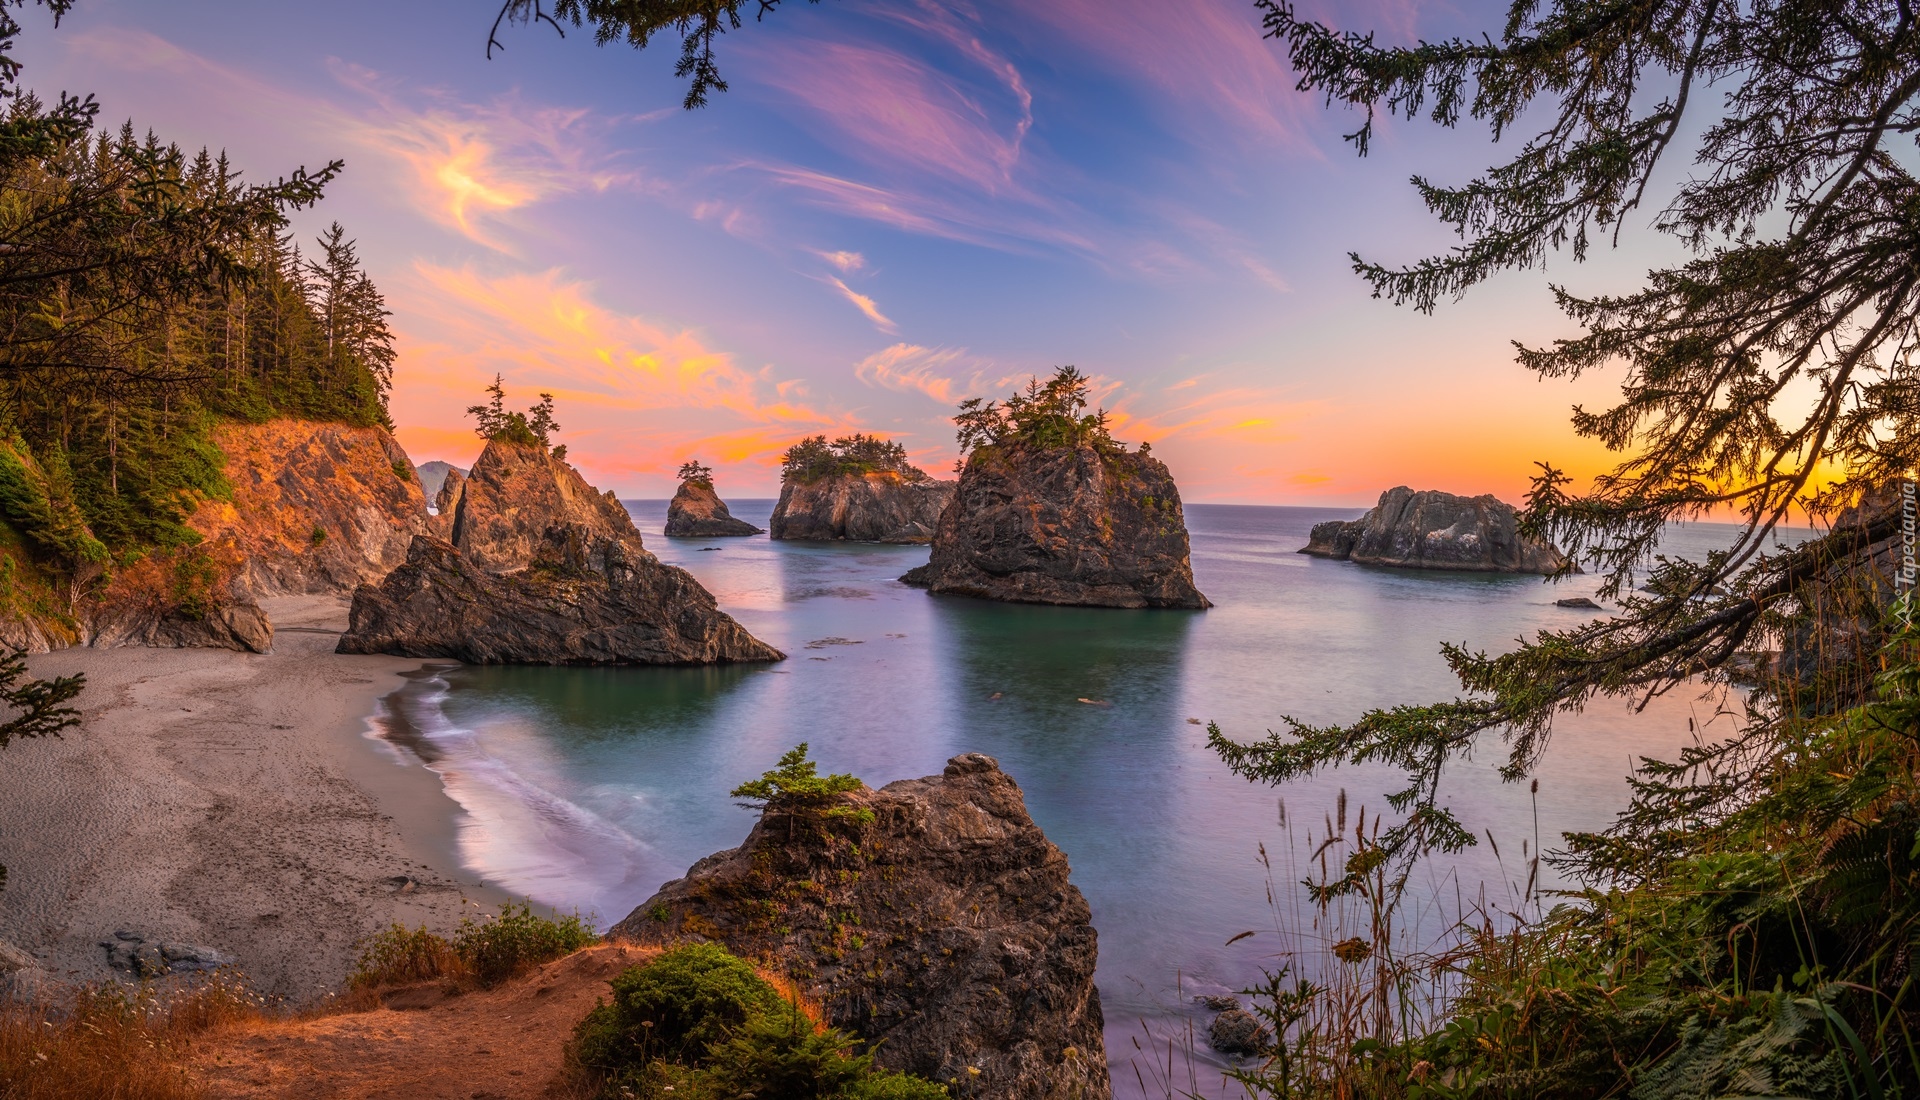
943 375
467 165
865 305
472 164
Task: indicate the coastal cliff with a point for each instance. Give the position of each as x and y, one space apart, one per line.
1435 530
696 511
584 599
301 507
315 507
932 918
875 506
499 513
1078 524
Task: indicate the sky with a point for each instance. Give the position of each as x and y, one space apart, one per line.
899 204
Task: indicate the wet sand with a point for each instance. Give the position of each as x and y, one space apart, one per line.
232 801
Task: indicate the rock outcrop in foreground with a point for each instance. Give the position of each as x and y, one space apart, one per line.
498 515
1435 530
882 506
696 511
585 599
1081 525
943 928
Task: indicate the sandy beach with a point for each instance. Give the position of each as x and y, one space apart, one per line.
228 800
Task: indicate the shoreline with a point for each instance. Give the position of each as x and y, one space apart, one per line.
234 801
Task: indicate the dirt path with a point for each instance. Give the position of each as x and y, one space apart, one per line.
501 1044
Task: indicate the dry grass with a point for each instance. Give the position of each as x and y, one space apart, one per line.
111 1043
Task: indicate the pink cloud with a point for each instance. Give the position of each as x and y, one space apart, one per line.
865 305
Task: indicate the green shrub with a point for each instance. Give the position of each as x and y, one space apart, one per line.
674 1008
400 956
814 458
699 1024
497 948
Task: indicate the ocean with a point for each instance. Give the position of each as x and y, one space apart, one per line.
585 789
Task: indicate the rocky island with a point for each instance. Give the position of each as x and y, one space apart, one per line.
1051 509
541 569
931 917
696 511
856 489
1435 530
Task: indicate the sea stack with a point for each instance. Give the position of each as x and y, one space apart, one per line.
585 599
856 489
931 918
541 569
698 512
1435 530
498 515
1051 509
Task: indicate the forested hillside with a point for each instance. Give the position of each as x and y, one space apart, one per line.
146 295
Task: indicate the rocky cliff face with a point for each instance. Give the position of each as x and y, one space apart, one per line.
315 507
873 507
1064 525
585 599
696 511
939 924
502 509
1435 530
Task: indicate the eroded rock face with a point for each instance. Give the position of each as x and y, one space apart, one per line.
1064 525
1435 530
239 625
945 929
696 511
315 508
585 599
874 507
502 509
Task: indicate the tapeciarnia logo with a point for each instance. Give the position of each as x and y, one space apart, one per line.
1907 567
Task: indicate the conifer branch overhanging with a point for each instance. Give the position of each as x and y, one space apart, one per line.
1781 348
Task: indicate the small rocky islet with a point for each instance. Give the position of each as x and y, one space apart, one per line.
697 512
1051 509
857 488
1435 530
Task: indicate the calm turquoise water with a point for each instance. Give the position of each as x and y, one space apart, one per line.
587 788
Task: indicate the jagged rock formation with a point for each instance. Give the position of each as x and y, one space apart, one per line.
585 599
696 511
1435 530
315 507
501 510
1084 525
433 477
452 484
881 506
942 926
